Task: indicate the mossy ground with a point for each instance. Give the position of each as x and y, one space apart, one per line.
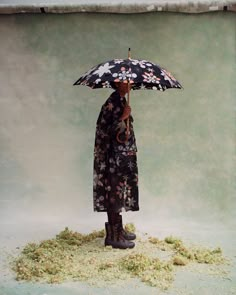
75 256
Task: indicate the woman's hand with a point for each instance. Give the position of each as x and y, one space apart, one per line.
126 113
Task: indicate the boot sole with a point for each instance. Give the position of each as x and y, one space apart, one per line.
119 246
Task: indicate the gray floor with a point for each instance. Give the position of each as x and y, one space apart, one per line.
14 236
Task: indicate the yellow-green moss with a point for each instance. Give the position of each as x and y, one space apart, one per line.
136 263
193 253
75 256
130 227
172 240
152 271
179 260
74 238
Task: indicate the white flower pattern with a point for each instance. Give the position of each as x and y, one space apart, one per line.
115 166
140 73
103 69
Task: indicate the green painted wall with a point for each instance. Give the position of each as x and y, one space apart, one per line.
186 139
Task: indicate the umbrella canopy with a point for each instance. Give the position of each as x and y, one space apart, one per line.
141 74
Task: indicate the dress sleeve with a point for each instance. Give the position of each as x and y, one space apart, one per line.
125 144
103 127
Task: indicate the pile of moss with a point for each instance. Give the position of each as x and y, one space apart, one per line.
183 255
75 256
52 260
150 270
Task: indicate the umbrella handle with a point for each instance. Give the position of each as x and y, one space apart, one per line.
126 135
127 128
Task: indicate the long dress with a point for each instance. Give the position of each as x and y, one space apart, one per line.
115 182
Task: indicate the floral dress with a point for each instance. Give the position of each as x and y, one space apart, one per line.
115 185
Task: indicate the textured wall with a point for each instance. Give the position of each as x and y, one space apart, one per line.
186 139
114 6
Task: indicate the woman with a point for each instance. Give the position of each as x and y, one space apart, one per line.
115 167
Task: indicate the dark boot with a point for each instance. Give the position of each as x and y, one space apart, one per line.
126 235
108 237
114 237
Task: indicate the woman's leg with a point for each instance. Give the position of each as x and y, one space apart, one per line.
113 217
114 236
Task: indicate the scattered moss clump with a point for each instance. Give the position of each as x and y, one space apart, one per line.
152 271
154 240
74 238
136 263
172 240
194 253
179 260
47 259
204 255
75 256
130 227
159 243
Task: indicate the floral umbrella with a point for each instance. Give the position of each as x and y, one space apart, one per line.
140 74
